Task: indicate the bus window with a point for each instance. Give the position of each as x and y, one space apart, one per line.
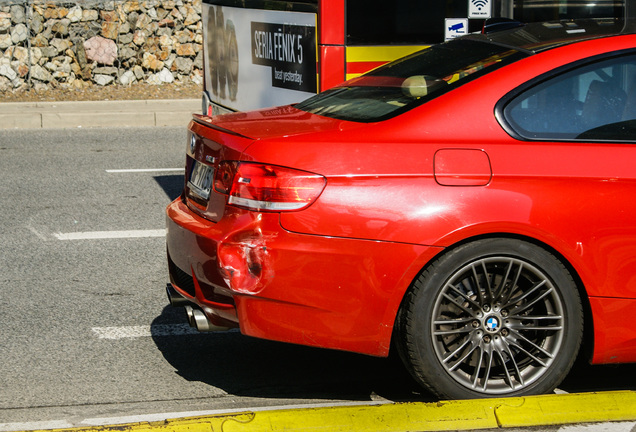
542 10
382 22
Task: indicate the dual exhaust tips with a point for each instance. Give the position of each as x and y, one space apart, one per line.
196 317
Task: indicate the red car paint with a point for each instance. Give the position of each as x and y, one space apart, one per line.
399 192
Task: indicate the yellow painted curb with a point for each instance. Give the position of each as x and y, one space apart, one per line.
390 417
396 417
572 408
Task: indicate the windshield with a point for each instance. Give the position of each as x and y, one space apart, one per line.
406 83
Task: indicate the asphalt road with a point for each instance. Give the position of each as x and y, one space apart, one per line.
86 335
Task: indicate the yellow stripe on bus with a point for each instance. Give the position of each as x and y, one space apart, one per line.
377 54
380 53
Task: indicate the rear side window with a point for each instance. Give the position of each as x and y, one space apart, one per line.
592 102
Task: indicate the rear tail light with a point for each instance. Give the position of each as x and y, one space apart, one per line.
265 187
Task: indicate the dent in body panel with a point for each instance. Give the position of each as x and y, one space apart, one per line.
245 260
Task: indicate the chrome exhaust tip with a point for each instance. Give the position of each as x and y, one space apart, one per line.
190 314
198 320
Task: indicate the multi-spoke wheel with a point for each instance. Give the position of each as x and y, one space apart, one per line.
497 317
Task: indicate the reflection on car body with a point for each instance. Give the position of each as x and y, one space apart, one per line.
468 205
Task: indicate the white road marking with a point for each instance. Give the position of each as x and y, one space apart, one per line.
143 331
41 425
145 170
98 235
229 411
600 427
108 421
158 330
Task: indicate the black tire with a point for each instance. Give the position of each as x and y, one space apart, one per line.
491 318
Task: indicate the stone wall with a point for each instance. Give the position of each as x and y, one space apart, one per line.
79 43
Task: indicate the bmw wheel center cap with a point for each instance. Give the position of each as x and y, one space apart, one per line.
492 324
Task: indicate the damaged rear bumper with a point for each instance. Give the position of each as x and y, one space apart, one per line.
247 271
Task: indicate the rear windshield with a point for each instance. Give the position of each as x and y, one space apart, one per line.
409 82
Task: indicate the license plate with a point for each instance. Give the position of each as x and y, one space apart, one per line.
201 180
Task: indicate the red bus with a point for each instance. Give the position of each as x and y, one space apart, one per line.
261 53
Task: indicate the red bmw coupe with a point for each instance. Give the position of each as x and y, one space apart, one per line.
468 206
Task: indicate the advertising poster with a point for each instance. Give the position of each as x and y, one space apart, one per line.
258 58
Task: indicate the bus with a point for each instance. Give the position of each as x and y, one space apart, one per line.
263 53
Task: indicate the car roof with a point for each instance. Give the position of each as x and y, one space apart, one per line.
536 37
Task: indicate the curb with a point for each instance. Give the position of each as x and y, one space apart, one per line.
396 417
88 114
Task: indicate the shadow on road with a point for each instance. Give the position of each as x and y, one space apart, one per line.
172 185
245 366
585 378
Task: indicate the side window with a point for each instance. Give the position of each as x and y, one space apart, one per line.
592 102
